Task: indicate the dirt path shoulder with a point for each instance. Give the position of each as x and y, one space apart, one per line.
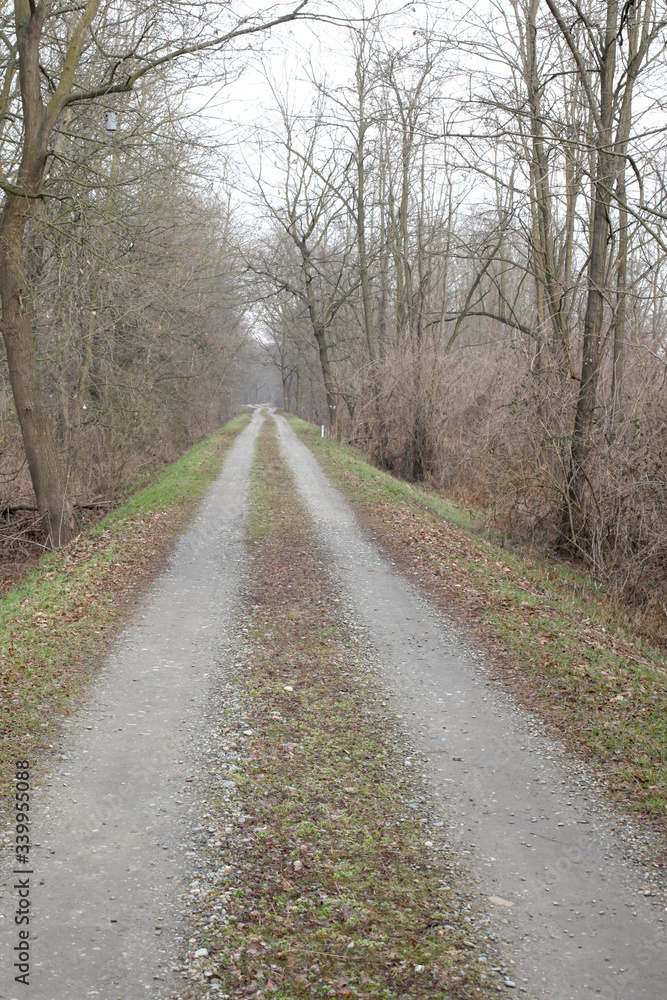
550 870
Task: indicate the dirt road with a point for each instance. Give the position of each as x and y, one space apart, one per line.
573 917
111 826
113 821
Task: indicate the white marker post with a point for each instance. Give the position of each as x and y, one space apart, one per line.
322 430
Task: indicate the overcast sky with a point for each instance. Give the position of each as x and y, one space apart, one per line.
289 54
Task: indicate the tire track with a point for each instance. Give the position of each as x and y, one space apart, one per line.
110 829
551 873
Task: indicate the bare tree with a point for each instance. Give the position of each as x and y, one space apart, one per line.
310 254
56 56
608 89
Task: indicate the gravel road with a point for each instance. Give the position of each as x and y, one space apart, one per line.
112 821
575 919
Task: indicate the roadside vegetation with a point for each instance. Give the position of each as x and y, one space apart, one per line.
477 273
56 625
333 886
567 651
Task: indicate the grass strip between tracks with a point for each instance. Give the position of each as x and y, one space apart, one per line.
566 654
56 625
331 888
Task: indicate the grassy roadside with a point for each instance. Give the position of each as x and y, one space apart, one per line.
566 656
327 886
57 623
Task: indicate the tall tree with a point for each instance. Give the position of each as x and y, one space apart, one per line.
314 244
56 56
608 57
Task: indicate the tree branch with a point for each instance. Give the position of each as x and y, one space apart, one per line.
211 43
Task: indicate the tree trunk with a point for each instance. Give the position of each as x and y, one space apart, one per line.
46 472
545 255
574 526
319 332
622 138
361 243
329 386
297 401
574 529
621 297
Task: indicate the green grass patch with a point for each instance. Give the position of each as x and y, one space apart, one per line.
364 483
57 624
335 886
567 654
